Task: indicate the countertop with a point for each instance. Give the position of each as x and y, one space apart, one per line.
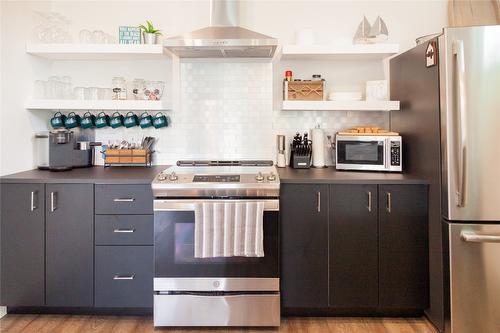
144 175
330 175
93 175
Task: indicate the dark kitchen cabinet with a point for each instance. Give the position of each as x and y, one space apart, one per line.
403 241
353 246
69 245
22 244
304 245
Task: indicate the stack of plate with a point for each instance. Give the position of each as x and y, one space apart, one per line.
345 96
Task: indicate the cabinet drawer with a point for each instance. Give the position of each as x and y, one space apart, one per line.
124 276
123 199
124 230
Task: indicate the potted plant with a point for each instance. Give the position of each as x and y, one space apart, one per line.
149 33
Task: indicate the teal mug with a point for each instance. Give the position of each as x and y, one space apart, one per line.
146 120
116 120
88 120
130 120
160 120
102 120
57 121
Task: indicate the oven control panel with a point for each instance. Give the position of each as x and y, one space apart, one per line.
216 179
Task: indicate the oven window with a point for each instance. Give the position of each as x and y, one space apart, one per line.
361 152
184 248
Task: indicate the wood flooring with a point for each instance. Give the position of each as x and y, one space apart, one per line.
15 323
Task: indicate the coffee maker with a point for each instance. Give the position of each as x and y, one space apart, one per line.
66 149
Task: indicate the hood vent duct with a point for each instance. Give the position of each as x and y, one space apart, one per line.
223 38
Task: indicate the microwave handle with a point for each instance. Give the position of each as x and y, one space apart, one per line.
387 153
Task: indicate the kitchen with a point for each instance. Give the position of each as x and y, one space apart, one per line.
330 247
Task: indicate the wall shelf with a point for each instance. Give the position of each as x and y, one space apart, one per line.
339 52
97 51
340 105
125 105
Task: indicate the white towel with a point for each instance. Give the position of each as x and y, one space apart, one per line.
229 229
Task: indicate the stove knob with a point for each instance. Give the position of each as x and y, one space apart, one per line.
173 177
162 177
259 177
271 177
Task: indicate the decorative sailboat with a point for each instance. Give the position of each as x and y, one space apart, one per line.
378 32
367 33
363 32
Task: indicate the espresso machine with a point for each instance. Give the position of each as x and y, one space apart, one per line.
62 149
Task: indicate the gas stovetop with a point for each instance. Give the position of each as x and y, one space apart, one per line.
211 178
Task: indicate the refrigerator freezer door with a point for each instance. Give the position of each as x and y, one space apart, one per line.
474 277
470 120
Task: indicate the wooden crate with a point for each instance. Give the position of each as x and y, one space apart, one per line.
127 157
304 90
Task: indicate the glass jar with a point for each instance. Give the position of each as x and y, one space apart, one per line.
138 88
119 86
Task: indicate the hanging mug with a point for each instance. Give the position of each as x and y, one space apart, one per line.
57 121
88 120
160 120
146 120
72 120
102 120
130 120
116 120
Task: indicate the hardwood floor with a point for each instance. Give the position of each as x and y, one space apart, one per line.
134 324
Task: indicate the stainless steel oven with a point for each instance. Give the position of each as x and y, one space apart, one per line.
370 153
219 291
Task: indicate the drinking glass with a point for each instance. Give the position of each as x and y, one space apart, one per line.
92 93
85 36
98 37
79 93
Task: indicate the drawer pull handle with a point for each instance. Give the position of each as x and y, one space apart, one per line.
124 277
124 230
124 200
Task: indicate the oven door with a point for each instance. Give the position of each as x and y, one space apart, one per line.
174 245
362 153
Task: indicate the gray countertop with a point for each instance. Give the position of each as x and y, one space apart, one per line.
144 175
332 176
95 175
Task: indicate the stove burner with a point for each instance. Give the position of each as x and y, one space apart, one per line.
216 179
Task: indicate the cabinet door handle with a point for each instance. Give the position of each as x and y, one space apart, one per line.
124 277
389 202
124 200
369 201
318 198
124 230
53 198
32 204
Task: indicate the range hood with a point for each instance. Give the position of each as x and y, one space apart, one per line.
223 38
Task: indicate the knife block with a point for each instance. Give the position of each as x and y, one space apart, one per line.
300 160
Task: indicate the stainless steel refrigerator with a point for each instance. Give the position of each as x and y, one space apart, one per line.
449 88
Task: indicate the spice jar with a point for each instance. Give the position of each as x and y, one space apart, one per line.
119 86
288 75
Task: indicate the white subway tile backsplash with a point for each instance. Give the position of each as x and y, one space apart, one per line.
227 112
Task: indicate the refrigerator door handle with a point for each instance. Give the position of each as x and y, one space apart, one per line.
458 51
468 236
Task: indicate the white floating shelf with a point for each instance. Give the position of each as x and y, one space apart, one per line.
126 105
341 105
97 51
343 52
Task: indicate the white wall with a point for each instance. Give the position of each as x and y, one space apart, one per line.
334 21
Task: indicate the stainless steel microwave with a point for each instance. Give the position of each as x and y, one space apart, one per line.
370 153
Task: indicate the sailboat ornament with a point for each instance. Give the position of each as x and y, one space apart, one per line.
367 33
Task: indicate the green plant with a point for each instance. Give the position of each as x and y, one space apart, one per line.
148 28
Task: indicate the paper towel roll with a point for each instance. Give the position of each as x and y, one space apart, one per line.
318 147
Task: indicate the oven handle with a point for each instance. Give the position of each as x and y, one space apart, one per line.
272 205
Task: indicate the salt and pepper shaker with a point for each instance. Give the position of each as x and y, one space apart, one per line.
281 157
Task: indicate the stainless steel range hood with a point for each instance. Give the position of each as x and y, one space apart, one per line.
223 38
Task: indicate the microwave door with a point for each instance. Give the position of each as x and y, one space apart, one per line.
361 154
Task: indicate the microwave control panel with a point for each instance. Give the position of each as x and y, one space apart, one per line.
395 153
